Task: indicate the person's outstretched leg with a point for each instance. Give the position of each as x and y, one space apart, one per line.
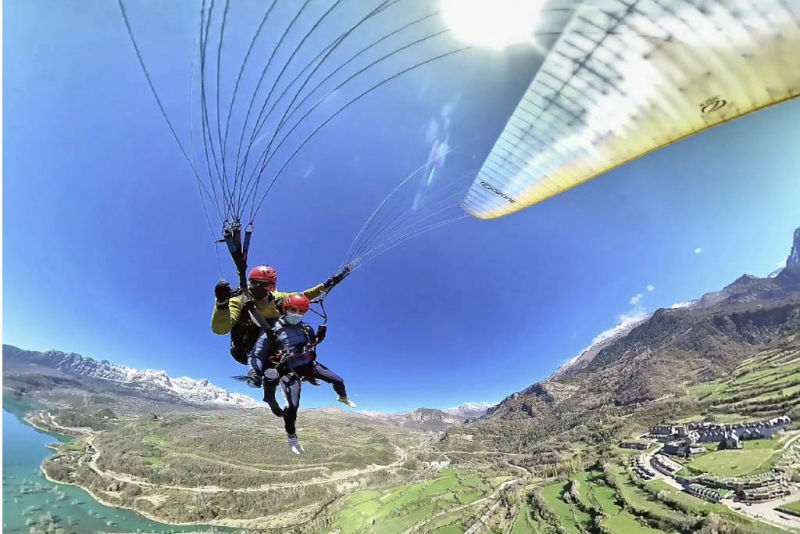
269 396
290 386
323 373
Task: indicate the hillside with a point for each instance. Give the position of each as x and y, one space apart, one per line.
648 368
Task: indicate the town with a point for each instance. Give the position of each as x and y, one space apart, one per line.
699 458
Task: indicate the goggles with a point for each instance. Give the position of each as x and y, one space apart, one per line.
262 283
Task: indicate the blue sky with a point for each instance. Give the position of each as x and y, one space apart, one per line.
106 250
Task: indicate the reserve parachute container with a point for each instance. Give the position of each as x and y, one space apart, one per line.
624 78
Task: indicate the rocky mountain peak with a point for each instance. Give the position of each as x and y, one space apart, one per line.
181 389
793 261
469 409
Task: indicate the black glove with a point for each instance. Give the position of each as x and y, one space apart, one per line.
336 278
222 291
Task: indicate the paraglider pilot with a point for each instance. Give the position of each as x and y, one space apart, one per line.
286 357
228 313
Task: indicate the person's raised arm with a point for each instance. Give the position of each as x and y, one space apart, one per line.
226 309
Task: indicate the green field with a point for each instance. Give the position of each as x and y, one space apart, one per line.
594 493
718 417
640 500
734 463
627 523
573 519
583 480
525 522
792 508
757 382
607 499
690 501
398 509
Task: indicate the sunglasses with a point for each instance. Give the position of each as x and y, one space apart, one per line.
262 283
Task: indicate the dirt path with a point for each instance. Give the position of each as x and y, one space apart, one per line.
248 467
790 441
525 472
482 519
336 477
46 421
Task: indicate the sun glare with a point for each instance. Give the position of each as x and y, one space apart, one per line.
493 23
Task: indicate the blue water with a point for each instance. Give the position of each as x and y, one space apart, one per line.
29 497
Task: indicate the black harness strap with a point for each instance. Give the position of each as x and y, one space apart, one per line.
255 316
283 354
232 233
310 337
238 249
322 330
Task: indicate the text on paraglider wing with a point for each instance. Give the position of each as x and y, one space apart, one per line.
496 191
712 104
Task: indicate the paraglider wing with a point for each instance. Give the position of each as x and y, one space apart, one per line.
625 78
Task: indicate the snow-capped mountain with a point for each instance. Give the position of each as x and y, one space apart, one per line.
150 381
600 342
469 409
421 418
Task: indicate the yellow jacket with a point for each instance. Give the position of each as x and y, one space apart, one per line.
223 320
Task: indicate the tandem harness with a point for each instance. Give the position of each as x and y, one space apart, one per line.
285 362
244 334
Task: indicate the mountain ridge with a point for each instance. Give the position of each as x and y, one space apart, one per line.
202 391
143 381
658 356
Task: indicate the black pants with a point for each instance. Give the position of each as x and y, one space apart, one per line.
290 386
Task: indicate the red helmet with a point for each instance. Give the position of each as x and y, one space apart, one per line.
264 273
296 300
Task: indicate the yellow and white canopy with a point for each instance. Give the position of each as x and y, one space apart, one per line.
626 77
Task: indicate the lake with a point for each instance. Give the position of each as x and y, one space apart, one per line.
29 499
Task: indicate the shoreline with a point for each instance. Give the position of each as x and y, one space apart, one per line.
107 504
251 523
29 420
275 521
254 523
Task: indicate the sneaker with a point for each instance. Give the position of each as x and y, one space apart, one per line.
347 401
294 446
311 380
253 379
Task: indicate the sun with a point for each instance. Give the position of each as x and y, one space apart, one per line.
492 23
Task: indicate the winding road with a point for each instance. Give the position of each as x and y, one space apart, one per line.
336 477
